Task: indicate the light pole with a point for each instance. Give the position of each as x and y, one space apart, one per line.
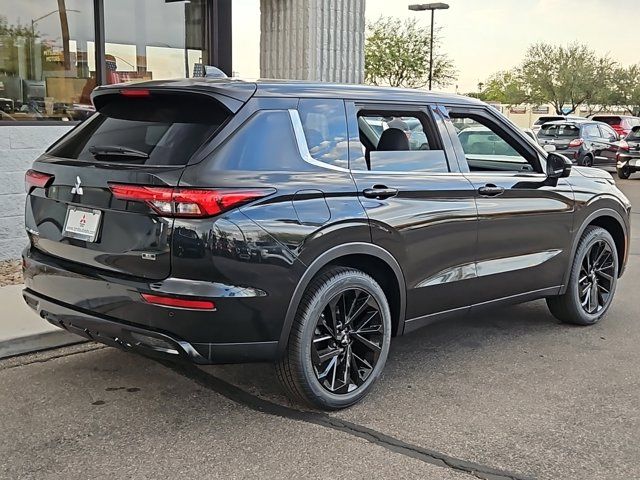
421 7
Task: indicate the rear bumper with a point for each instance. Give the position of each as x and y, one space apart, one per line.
631 160
110 310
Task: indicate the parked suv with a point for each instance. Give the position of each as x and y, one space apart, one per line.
224 221
622 124
585 143
629 154
553 118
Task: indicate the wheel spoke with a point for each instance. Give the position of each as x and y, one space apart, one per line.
367 343
328 369
604 275
593 297
366 322
360 310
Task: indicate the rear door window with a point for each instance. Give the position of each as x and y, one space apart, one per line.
591 131
160 129
400 141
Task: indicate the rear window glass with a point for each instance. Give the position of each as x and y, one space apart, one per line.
157 130
542 120
607 120
560 131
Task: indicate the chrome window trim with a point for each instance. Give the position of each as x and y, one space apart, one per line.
303 148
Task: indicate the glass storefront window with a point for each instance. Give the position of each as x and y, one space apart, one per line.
47 59
153 39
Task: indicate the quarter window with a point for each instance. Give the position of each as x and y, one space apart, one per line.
325 128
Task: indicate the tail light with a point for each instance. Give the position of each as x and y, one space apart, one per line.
576 142
623 145
135 92
178 302
34 179
187 202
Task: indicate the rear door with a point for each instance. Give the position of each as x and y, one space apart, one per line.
420 207
137 138
593 136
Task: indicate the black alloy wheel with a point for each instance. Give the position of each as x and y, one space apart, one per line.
339 340
347 341
592 280
596 277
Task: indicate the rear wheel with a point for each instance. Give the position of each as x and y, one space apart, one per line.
587 161
339 340
592 282
624 172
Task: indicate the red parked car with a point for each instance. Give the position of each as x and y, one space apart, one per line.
622 124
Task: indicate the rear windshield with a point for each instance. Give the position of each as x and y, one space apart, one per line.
160 129
542 120
608 120
559 131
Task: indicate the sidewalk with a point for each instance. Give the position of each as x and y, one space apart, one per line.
22 331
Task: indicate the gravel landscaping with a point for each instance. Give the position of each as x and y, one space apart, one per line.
10 272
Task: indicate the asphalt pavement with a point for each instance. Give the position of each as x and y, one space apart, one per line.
508 394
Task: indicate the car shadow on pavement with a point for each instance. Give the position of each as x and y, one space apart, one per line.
433 347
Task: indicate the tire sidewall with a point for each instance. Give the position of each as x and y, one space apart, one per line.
587 161
624 172
339 283
573 289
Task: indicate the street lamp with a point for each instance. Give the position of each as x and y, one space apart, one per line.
421 7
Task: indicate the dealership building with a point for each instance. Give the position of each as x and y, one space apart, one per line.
54 52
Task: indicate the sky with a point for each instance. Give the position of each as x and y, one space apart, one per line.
484 36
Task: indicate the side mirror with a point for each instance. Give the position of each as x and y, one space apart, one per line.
549 148
558 166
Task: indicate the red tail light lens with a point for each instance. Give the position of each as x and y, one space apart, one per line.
33 179
623 145
576 143
135 92
188 202
178 302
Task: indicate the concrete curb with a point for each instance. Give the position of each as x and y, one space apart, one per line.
38 342
22 331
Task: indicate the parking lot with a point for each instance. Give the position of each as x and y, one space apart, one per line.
509 394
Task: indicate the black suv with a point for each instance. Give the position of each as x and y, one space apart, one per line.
586 143
224 221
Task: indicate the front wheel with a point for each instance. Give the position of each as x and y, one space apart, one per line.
624 172
592 282
339 340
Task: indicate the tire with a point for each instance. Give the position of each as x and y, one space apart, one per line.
587 161
624 172
571 307
300 371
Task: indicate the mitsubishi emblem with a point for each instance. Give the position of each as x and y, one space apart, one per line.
77 189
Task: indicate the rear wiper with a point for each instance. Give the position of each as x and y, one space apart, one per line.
116 151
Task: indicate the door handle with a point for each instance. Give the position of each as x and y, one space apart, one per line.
490 190
380 192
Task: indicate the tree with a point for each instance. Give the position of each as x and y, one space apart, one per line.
627 89
505 87
570 75
397 54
